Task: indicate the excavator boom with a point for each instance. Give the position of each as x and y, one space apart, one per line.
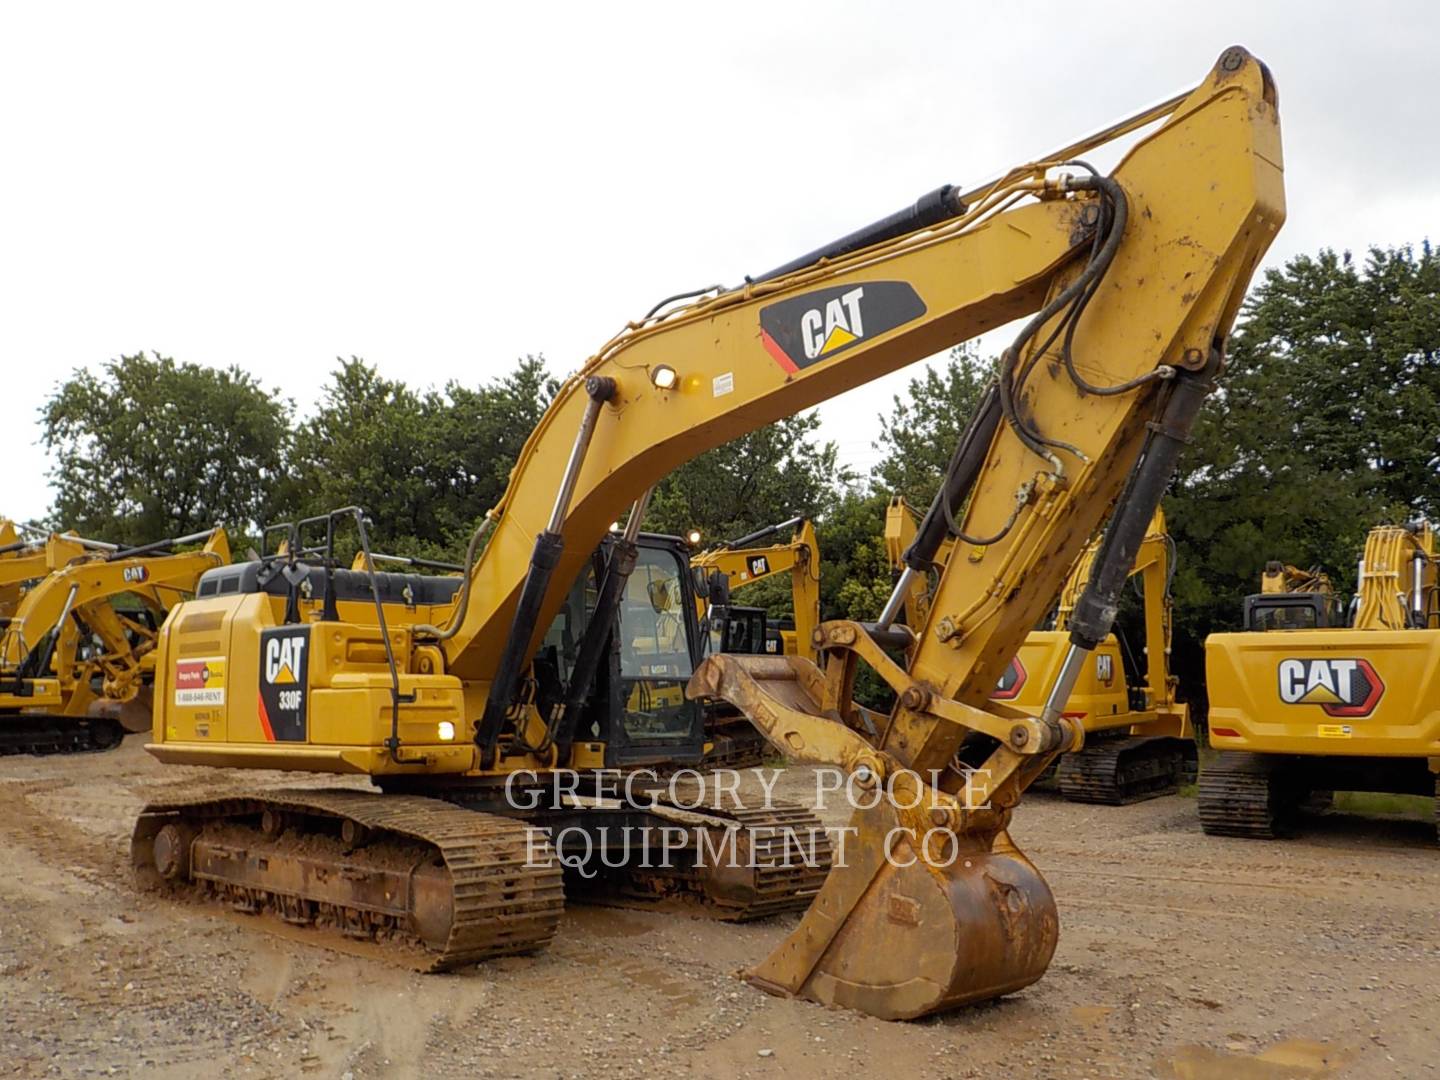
687 380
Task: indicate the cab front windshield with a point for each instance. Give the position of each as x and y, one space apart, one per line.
655 650
1286 614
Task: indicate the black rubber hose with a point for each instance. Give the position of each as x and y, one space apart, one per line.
543 560
592 651
960 477
1096 609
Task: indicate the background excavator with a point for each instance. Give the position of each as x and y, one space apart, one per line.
733 628
1302 705
26 555
77 654
11 547
1293 599
747 561
461 703
1139 742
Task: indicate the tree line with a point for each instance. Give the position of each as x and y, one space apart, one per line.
1326 422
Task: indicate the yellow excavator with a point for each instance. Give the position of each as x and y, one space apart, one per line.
1302 704
27 554
1278 577
467 707
1139 743
748 560
11 548
77 654
728 627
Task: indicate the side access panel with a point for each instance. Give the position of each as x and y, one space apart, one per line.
1351 693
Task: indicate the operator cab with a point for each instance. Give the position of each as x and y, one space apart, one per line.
744 630
654 649
1293 611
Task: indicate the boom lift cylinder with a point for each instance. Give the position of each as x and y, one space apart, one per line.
930 209
960 477
750 539
549 546
618 567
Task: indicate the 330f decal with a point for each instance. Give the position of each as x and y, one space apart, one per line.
284 683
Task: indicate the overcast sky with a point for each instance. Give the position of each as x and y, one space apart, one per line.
441 188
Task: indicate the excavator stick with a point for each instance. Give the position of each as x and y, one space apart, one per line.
929 904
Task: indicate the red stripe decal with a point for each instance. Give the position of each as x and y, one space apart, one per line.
773 348
265 718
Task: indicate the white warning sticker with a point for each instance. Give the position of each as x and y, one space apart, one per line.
722 384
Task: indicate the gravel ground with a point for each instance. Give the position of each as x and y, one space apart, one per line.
1180 956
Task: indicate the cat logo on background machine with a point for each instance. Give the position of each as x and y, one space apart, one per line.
1011 681
1341 687
284 682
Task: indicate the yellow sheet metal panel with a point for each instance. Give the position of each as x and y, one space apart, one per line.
1348 692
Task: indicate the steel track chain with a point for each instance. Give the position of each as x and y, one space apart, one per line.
506 886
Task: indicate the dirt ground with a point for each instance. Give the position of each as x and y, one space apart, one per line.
1180 956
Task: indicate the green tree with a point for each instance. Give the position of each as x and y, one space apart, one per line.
149 448
477 435
855 574
923 427
425 465
771 474
1327 421
368 445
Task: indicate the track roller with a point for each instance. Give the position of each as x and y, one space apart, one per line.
1117 771
1250 795
442 885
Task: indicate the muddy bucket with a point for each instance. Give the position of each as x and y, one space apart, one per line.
898 935
916 915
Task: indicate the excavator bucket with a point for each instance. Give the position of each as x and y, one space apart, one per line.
137 714
916 916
